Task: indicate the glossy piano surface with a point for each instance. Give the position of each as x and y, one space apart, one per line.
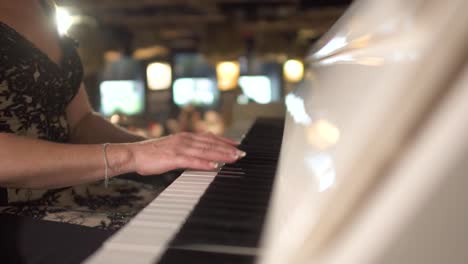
371 82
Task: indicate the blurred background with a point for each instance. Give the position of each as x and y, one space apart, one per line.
164 66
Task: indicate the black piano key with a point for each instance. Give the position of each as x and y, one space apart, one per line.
215 205
226 214
230 224
235 237
177 256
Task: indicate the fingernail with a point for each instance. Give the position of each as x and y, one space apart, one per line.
241 153
214 165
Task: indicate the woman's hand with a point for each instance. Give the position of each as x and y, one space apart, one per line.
182 150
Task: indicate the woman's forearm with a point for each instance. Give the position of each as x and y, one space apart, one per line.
94 128
33 163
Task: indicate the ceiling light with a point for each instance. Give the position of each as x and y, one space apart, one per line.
293 70
227 73
63 19
159 76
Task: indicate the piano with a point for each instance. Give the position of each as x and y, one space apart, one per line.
368 166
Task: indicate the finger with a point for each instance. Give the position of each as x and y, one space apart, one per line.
222 139
211 153
199 139
209 142
207 145
226 140
210 137
183 161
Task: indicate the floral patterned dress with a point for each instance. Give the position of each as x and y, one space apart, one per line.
34 94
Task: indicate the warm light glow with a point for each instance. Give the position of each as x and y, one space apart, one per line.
115 119
159 76
293 70
213 122
63 19
150 52
227 73
112 56
322 134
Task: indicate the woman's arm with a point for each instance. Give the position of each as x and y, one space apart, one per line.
32 163
88 127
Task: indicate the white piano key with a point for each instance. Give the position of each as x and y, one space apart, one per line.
209 173
200 181
198 178
140 236
162 211
173 206
186 191
176 194
165 214
159 218
157 224
124 257
190 185
166 203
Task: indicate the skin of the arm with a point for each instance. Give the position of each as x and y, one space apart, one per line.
34 163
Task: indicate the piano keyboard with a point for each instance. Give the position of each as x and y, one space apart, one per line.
205 216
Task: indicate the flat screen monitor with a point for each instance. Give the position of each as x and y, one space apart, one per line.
257 88
195 91
122 97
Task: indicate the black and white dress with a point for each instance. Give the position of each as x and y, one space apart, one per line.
34 94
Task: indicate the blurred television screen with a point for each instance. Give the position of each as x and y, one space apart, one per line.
195 91
122 97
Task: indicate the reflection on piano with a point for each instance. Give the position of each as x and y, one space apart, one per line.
372 165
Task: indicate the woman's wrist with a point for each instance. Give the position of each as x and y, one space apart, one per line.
120 159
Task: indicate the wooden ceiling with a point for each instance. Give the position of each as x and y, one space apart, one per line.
214 27
185 24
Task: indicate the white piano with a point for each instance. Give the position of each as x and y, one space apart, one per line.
373 160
